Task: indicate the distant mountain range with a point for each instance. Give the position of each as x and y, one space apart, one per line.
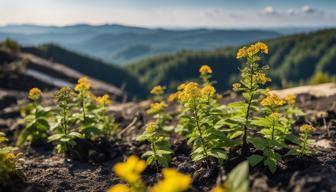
294 59
121 44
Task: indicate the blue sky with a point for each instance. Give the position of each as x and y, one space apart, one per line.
172 13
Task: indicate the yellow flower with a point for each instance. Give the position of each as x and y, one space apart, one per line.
63 95
236 86
104 100
157 90
208 90
262 78
83 84
173 97
157 107
205 69
275 115
306 128
242 52
272 100
181 86
119 188
262 47
190 91
290 99
253 49
173 181
151 127
131 169
218 189
34 94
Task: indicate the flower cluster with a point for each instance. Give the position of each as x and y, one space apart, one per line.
158 90
252 50
306 128
173 182
103 100
34 94
131 170
83 84
205 69
290 99
272 99
157 107
262 78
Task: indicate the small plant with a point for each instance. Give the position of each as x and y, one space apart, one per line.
63 136
104 122
156 133
130 171
237 180
303 142
8 161
200 113
160 147
85 118
37 125
252 78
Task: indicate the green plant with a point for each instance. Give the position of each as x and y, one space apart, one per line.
237 180
8 161
156 132
37 125
303 142
159 143
62 135
252 78
200 113
85 118
104 122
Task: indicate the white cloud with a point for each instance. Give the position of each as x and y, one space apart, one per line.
269 10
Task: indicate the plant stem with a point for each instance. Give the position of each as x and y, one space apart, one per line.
245 147
200 132
273 130
83 104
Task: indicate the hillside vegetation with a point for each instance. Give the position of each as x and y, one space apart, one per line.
91 67
294 59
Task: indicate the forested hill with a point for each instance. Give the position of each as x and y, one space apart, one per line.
92 67
293 59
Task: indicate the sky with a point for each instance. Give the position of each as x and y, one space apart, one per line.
172 13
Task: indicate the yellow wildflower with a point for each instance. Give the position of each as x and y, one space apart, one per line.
190 91
34 94
262 47
83 84
253 49
173 181
157 90
306 128
205 69
131 169
173 97
119 188
157 107
181 86
151 127
290 99
275 115
236 86
104 100
242 52
272 100
208 90
217 189
262 78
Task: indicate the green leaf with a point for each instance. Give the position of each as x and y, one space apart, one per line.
238 178
255 159
271 164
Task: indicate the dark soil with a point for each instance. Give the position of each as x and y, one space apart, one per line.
88 167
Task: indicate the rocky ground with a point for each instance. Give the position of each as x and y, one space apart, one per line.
91 168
